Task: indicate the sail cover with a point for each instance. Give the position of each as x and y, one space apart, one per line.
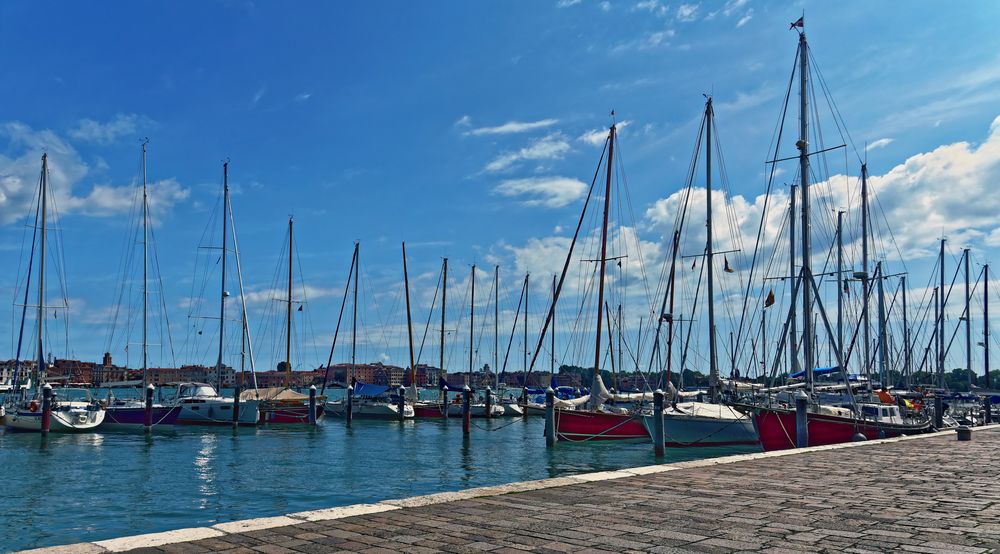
598 393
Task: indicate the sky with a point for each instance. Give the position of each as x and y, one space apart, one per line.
470 130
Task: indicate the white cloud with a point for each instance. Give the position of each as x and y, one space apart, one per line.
605 6
257 96
550 147
550 192
880 143
752 99
464 121
652 6
89 130
596 137
733 5
567 3
108 200
509 128
688 12
303 96
310 292
745 19
649 40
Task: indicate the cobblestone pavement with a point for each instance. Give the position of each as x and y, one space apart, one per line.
931 494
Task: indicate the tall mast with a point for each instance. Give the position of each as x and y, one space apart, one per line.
604 254
793 327
288 329
940 323
222 292
354 318
552 360
145 270
41 271
840 283
866 278
526 290
496 325
968 321
713 361
409 321
883 345
472 321
986 332
444 300
906 333
803 145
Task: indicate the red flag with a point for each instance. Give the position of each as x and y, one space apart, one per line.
800 23
769 301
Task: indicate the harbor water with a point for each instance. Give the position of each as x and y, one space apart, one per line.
71 488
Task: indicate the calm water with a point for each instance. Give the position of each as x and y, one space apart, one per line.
72 488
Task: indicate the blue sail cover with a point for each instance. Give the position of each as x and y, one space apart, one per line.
366 390
817 371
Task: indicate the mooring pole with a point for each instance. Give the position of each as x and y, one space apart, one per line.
524 402
550 417
147 415
466 410
489 402
658 439
46 408
801 420
312 404
349 416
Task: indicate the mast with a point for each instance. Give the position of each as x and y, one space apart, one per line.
354 318
670 314
603 260
409 323
444 300
906 333
986 333
243 298
41 272
288 329
968 321
222 292
621 368
552 361
793 327
472 321
940 326
145 271
803 146
840 283
526 276
883 360
713 362
496 325
865 280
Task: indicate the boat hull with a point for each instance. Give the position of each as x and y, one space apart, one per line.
681 431
134 417
71 420
280 413
777 429
580 425
429 410
476 410
217 411
368 410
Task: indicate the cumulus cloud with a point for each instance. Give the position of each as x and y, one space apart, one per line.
687 12
508 128
596 137
549 147
550 192
89 130
880 143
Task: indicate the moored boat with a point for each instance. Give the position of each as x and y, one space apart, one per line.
73 411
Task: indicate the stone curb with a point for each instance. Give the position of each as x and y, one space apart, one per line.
198 533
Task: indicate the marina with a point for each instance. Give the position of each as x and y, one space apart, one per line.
746 503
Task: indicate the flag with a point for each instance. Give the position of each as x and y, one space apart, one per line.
769 301
800 23
300 308
726 267
694 262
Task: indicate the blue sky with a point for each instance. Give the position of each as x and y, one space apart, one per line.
460 127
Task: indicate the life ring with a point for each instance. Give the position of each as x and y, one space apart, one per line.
33 406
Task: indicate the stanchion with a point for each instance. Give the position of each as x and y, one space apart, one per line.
550 417
46 408
349 415
236 405
658 439
466 410
801 420
312 404
524 402
489 402
401 403
147 416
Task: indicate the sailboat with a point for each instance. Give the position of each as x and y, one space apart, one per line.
282 404
201 403
438 408
130 413
368 401
73 409
477 407
776 422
